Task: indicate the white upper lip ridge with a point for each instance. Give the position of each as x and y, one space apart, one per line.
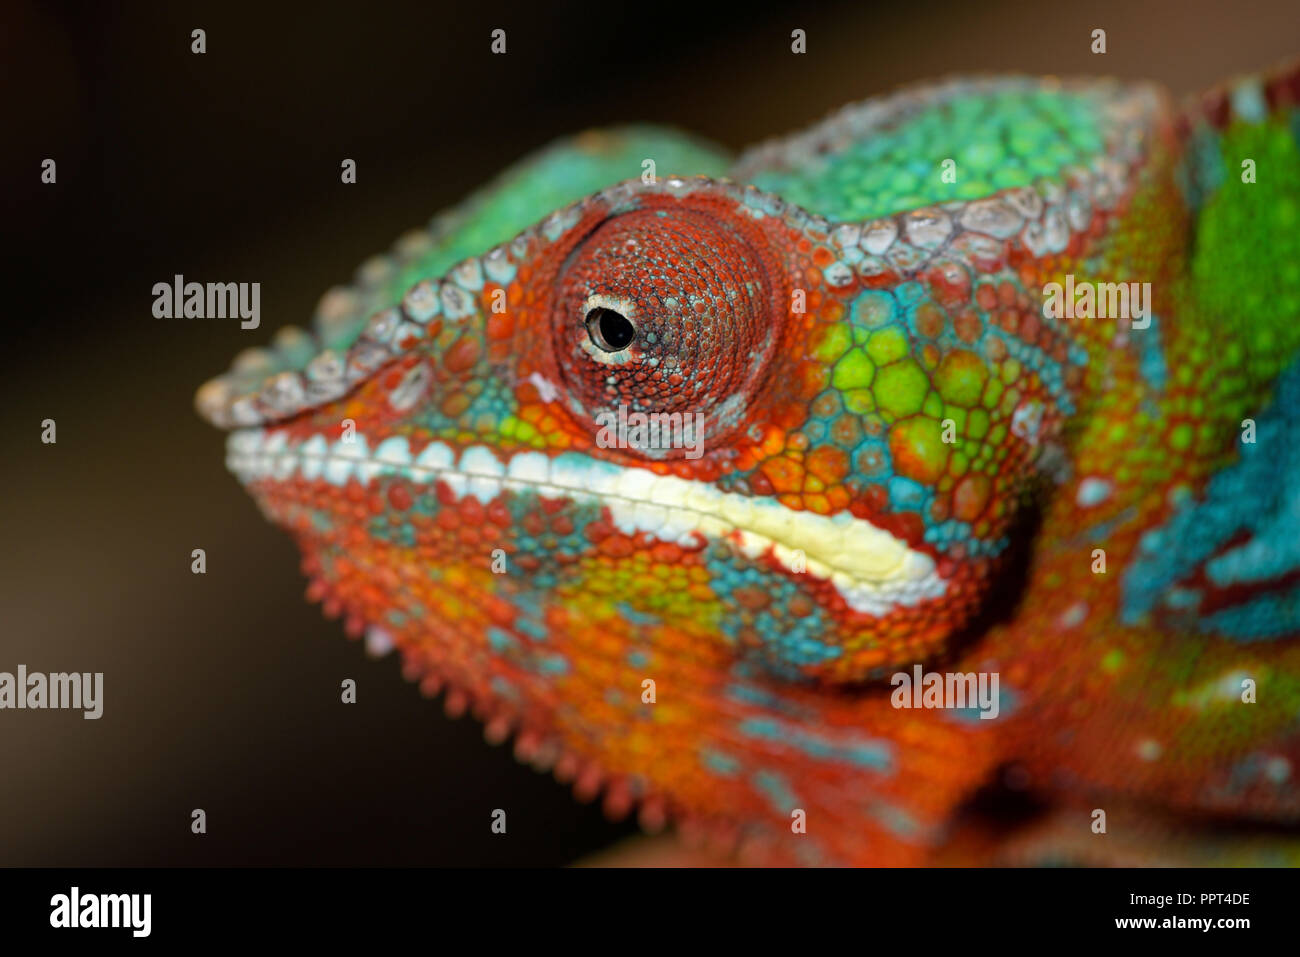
872 570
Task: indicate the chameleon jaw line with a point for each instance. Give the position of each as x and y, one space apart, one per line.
873 571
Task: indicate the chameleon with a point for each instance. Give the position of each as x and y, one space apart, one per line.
908 462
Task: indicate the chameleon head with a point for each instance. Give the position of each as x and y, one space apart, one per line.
671 421
679 435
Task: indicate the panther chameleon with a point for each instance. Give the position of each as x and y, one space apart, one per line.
906 460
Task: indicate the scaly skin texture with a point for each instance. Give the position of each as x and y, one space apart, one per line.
904 461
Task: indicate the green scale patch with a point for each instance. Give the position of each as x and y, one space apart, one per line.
996 141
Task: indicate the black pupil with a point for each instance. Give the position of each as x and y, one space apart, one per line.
609 329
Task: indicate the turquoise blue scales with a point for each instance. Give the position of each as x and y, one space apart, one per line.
1241 533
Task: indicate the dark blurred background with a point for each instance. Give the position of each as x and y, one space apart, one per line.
222 691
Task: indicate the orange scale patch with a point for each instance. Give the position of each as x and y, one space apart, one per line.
784 473
828 463
1030 326
463 354
930 320
968 325
971 496
500 326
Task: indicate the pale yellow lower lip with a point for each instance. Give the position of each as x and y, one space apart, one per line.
873 570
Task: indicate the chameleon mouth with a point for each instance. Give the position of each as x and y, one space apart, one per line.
873 571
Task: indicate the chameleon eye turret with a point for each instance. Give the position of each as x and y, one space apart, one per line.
698 286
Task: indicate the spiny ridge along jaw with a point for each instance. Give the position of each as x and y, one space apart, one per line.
872 570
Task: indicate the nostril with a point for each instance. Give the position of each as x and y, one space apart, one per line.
609 329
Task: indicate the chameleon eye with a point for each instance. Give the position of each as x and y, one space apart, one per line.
609 330
668 310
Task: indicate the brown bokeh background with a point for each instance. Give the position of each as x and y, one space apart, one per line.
222 691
